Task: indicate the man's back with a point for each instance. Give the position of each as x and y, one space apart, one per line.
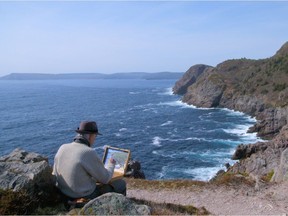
77 168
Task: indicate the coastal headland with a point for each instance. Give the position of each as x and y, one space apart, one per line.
256 87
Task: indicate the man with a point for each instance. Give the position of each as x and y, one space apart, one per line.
77 167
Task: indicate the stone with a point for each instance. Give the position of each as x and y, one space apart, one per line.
281 173
114 204
21 170
134 170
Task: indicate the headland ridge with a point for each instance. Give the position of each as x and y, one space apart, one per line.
256 87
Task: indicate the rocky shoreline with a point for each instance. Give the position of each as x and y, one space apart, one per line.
255 87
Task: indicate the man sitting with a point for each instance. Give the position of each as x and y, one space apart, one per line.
78 168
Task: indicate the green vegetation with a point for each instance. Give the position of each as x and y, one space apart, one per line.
264 78
23 203
15 203
279 87
163 184
172 209
231 179
268 176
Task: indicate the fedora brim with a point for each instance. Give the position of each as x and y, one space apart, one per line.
87 132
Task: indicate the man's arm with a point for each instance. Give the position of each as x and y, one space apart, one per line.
94 166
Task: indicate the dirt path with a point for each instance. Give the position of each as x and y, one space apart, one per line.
267 200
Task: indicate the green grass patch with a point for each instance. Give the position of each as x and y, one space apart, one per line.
162 184
268 176
172 209
232 179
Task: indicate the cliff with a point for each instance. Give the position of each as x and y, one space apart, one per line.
256 87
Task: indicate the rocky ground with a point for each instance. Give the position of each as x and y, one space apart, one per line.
268 199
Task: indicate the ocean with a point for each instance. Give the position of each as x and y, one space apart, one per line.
170 139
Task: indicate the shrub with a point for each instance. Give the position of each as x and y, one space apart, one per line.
15 203
264 91
279 87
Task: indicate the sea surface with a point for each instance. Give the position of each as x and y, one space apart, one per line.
170 139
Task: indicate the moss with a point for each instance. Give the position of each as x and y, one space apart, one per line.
268 176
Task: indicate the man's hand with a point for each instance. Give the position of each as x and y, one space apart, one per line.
112 161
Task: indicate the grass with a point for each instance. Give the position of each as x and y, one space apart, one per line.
232 179
268 176
172 209
163 184
13 203
21 203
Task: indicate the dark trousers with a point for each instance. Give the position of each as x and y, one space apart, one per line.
116 186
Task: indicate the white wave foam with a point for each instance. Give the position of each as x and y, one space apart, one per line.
168 91
166 123
203 173
162 173
117 134
123 129
157 141
133 93
176 103
238 113
231 112
241 131
180 139
163 155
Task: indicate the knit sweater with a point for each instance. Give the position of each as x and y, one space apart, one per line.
77 168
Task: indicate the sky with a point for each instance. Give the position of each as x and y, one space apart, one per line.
136 36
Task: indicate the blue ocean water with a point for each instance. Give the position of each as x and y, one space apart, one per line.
171 139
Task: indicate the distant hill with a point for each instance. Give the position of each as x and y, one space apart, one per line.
132 75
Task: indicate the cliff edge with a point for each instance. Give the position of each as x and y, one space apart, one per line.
256 87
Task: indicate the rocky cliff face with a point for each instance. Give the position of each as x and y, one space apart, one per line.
189 78
256 87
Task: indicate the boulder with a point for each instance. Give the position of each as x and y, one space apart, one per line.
114 204
261 158
244 151
134 170
21 170
281 173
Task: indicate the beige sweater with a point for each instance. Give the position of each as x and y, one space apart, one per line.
77 168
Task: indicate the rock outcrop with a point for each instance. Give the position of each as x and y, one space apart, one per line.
114 204
281 173
262 158
21 170
256 87
190 77
134 170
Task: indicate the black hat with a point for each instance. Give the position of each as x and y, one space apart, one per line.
88 127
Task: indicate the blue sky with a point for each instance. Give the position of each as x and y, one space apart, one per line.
133 36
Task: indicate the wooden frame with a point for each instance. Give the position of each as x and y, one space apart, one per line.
121 165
